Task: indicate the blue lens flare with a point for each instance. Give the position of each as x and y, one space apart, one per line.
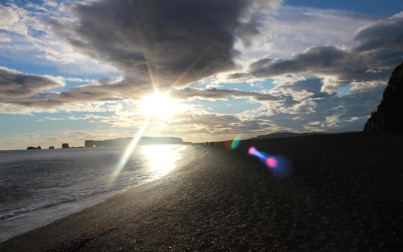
279 166
261 155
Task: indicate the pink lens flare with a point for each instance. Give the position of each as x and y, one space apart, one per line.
271 162
278 165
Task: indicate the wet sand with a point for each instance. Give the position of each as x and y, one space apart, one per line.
344 193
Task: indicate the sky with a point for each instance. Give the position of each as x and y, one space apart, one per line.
200 70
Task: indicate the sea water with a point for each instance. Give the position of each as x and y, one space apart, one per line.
41 186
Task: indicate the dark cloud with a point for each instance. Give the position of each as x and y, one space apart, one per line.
248 32
324 61
16 84
109 90
383 58
336 67
312 85
379 50
382 42
386 33
215 94
173 42
105 90
168 43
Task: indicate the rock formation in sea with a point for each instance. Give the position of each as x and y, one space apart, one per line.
125 141
31 148
389 115
34 148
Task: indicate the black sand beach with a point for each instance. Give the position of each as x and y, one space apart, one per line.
344 194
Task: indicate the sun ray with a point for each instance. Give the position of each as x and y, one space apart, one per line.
183 75
129 150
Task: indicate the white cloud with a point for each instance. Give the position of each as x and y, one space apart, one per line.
32 40
5 39
12 20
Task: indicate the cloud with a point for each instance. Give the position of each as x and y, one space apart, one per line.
211 120
177 43
305 107
16 84
25 36
215 94
11 20
199 124
377 50
381 42
172 42
338 67
386 33
34 91
292 29
323 60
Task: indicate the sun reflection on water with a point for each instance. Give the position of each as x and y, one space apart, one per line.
161 159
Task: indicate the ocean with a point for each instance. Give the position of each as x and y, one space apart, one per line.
38 187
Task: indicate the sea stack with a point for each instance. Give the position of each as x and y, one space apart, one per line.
389 115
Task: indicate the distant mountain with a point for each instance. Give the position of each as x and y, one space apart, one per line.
125 141
286 134
389 114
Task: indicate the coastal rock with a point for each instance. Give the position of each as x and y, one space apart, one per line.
389 115
34 148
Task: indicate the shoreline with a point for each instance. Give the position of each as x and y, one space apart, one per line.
343 194
29 218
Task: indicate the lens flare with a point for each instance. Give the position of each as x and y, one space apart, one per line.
254 152
128 152
279 166
271 162
235 143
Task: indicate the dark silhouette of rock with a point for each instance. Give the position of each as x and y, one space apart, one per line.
51 147
389 115
65 146
125 141
287 134
34 148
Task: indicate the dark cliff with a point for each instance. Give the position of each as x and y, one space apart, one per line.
389 115
125 141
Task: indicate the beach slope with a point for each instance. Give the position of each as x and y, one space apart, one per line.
343 193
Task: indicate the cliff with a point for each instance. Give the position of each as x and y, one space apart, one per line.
389 115
125 141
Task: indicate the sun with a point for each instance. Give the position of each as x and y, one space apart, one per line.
159 104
